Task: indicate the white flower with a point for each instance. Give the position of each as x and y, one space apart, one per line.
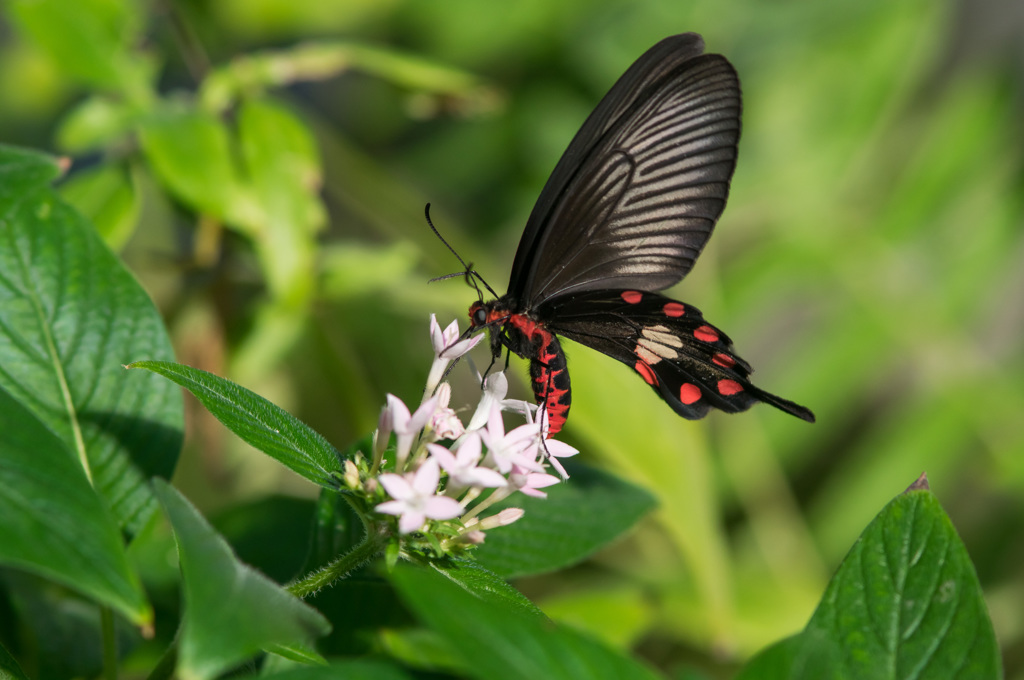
447 346
382 435
505 450
495 389
416 499
553 448
406 426
444 423
529 482
462 467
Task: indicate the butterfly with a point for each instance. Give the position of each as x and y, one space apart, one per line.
625 213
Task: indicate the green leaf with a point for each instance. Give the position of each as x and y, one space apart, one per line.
577 518
106 196
65 629
54 524
95 123
620 615
70 317
24 171
270 533
349 670
191 153
320 60
336 530
231 610
421 649
9 668
905 603
300 653
257 421
284 169
807 656
476 579
92 40
498 642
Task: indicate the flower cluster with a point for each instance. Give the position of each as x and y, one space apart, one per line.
445 490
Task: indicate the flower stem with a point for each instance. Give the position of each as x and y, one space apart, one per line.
372 545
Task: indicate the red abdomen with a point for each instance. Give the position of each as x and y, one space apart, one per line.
549 375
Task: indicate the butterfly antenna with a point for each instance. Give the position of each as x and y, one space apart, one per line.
471 275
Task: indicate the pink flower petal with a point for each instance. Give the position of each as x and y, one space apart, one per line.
469 450
399 413
427 477
410 522
486 478
442 507
419 419
444 457
397 486
391 508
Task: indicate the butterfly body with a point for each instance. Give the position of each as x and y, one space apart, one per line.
625 214
529 338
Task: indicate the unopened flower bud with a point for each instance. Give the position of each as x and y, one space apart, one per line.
503 518
473 537
351 475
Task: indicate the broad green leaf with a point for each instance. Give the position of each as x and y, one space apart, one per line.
231 610
92 40
191 153
23 171
9 668
70 317
260 423
106 196
580 516
54 524
905 603
298 652
807 656
497 642
485 584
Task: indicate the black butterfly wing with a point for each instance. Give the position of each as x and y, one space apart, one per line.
689 362
635 196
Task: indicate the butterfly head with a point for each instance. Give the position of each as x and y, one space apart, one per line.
490 314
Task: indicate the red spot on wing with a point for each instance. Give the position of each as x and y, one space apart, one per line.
689 393
674 309
646 372
706 334
724 360
632 296
729 387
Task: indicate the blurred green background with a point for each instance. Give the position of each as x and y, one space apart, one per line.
262 166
